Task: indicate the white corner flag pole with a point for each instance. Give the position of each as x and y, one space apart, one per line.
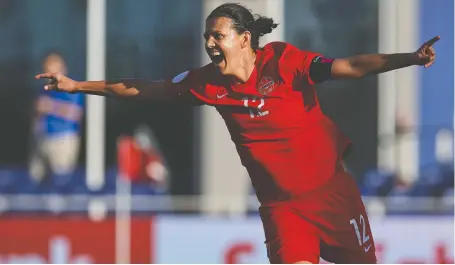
96 55
96 60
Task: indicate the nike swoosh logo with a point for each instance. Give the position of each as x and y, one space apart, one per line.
221 96
367 248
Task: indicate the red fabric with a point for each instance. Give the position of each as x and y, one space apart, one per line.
133 161
323 224
287 144
57 240
129 158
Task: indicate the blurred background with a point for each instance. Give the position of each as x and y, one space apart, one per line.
94 180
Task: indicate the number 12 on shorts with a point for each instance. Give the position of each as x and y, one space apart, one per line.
364 238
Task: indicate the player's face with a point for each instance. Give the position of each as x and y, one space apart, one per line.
223 44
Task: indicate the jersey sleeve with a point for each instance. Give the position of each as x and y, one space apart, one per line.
311 67
184 84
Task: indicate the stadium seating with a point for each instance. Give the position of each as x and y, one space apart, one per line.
433 181
377 183
436 181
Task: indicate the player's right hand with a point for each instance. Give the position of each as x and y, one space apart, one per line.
426 54
58 82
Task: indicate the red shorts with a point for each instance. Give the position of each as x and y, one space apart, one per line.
329 222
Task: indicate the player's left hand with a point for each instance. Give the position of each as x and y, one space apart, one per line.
426 54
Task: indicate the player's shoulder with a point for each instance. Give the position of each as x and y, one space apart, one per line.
280 48
285 50
208 71
277 46
196 74
199 78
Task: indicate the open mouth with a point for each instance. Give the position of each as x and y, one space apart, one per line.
216 56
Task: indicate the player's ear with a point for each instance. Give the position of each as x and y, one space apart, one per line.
246 39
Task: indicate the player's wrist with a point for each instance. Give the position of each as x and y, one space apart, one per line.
80 87
413 58
77 87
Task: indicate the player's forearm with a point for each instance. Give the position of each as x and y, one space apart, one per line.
363 65
126 88
106 88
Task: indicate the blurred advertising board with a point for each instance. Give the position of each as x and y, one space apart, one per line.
191 240
211 240
53 240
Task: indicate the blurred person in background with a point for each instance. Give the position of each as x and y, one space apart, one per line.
56 127
140 158
310 206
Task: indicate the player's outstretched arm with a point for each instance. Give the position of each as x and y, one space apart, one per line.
363 65
124 88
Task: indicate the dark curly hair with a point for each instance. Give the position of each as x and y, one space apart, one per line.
243 20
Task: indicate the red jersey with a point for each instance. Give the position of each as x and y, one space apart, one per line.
285 142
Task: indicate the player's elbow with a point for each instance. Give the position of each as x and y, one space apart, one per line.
122 88
145 90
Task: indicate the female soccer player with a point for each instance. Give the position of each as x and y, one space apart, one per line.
310 206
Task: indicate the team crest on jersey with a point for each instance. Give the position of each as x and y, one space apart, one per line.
266 85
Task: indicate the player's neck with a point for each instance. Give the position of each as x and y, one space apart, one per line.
245 69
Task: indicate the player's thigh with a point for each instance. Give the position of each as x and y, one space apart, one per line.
360 225
353 244
351 239
289 237
347 255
